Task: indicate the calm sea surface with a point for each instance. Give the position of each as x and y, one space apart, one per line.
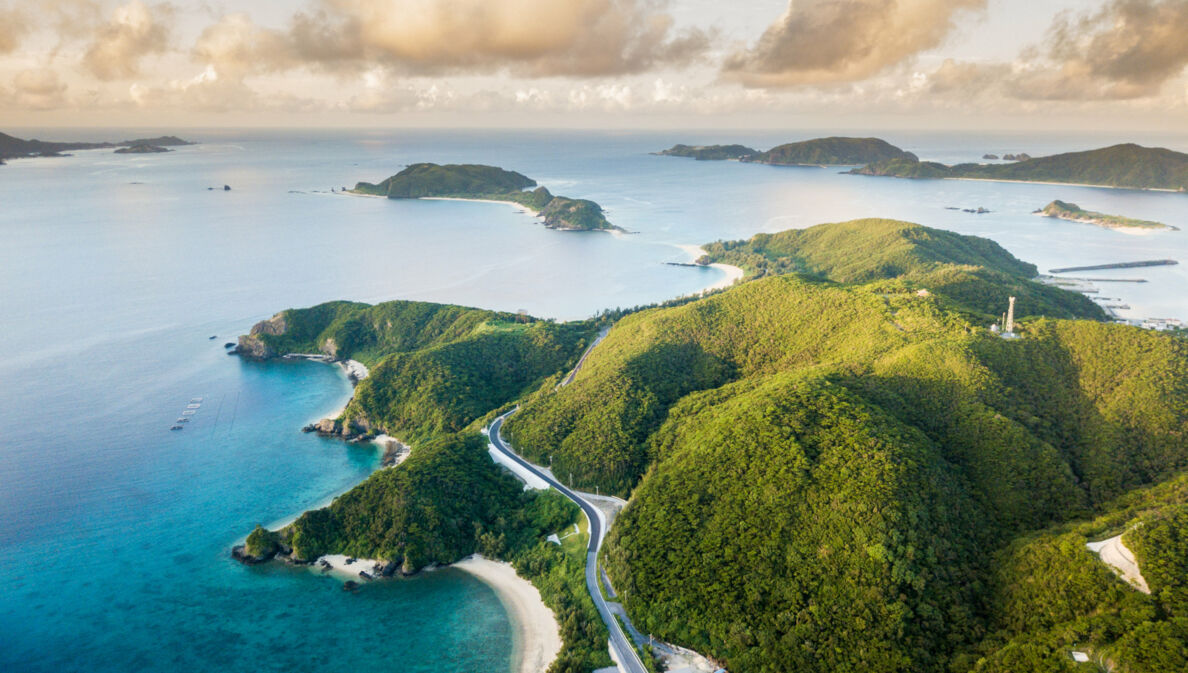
116 270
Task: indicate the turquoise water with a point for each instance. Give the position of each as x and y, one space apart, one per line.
116 270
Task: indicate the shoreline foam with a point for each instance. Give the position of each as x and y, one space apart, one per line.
537 639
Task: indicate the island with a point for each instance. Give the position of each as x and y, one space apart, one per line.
834 151
834 465
142 149
15 148
1022 156
477 182
990 157
1126 166
709 152
1062 210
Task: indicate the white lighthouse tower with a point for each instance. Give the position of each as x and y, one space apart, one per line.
1010 317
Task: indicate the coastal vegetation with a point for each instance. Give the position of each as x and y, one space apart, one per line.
475 181
975 274
1073 213
833 466
434 368
447 501
1128 166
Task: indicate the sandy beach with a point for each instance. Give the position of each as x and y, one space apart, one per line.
538 638
1066 184
518 206
733 273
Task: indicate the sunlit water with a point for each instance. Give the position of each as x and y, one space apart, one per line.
116 270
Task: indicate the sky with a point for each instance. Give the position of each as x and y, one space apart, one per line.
924 64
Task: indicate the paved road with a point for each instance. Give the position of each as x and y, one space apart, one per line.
623 649
582 360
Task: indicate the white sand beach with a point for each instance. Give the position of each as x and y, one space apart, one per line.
518 206
538 637
733 273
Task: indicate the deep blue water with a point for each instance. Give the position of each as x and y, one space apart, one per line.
116 270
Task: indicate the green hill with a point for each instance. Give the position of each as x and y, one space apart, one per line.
1063 210
828 470
434 368
975 273
458 180
1129 166
473 181
831 152
709 152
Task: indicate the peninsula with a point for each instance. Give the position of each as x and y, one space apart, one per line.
490 183
840 438
1127 166
835 151
1063 210
16 148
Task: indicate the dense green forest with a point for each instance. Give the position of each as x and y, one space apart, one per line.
447 501
1130 166
828 469
975 274
831 152
475 181
434 367
822 475
426 179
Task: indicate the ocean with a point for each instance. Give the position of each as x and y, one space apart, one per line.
122 276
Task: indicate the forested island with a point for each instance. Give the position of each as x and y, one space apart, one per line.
16 148
833 151
1126 166
143 149
709 152
831 466
490 183
1063 210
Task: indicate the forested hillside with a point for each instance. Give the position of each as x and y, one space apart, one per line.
976 274
823 476
828 469
434 367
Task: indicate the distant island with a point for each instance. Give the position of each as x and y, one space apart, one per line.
835 151
490 183
1127 166
142 149
709 152
1063 210
15 148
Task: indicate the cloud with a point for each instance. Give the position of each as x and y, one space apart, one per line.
14 25
819 42
134 31
529 38
38 89
1128 49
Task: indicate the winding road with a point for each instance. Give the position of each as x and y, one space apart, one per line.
625 653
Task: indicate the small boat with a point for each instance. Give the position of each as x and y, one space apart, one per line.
193 406
188 412
195 400
183 419
177 427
